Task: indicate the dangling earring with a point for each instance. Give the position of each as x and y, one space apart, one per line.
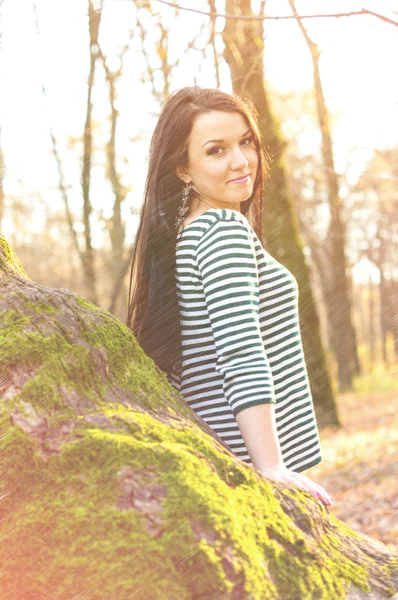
183 208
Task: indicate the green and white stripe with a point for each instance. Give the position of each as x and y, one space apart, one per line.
241 336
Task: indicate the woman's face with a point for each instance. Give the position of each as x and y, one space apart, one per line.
221 148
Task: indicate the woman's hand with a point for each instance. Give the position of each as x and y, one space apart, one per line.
282 473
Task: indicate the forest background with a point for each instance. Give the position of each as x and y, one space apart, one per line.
81 85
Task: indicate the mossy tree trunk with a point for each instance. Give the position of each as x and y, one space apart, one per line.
1 185
244 53
113 488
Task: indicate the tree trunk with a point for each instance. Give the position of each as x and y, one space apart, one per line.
319 260
118 263
344 338
112 487
393 291
384 307
244 49
386 297
94 18
371 324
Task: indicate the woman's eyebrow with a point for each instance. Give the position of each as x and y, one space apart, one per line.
243 134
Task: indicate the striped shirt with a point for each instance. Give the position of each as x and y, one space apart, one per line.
241 342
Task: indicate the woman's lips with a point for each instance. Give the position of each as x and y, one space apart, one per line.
241 179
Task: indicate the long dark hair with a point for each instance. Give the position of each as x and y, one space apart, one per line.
153 311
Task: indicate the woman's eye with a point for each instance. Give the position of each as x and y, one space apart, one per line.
250 140
212 151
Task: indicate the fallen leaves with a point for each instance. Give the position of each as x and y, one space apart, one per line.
360 465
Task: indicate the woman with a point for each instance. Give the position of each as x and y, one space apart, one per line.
213 309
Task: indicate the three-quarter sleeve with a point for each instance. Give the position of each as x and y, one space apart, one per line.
226 260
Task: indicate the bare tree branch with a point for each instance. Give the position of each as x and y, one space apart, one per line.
213 14
212 6
151 71
162 51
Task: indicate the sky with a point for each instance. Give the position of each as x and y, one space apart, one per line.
49 47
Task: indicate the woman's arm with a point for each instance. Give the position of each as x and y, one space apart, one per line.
258 428
226 259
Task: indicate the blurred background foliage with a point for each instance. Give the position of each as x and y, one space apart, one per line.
80 90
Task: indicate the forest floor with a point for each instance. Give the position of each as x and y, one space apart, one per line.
359 469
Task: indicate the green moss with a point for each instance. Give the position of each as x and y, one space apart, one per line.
86 304
13 322
53 361
37 307
56 363
131 367
8 258
124 354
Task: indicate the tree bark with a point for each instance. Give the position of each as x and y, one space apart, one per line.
244 53
112 487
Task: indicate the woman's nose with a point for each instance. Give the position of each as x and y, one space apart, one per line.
238 159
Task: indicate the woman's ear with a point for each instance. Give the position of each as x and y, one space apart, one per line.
182 174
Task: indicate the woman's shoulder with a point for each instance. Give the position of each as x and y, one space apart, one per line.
223 219
210 222
218 218
234 215
227 232
226 214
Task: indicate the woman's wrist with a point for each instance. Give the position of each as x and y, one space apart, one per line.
257 425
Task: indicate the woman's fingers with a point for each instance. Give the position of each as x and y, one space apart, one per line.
306 484
296 481
301 481
319 488
324 493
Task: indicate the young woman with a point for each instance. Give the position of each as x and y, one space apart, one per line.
207 302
